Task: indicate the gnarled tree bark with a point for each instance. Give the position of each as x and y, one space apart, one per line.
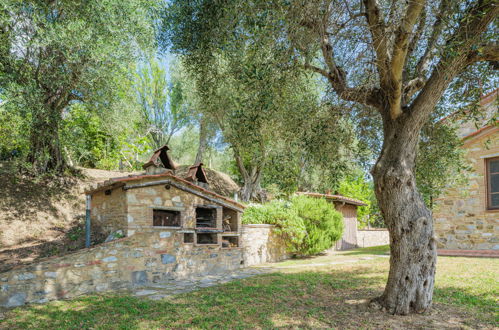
412 247
252 189
45 152
405 104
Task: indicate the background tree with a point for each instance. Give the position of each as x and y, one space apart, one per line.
165 110
397 59
106 137
440 160
54 53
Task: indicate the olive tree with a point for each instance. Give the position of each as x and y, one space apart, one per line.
54 53
397 58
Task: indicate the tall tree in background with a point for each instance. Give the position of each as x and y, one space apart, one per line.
165 109
395 57
207 130
249 102
53 53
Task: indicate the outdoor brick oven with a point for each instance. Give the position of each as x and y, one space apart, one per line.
158 200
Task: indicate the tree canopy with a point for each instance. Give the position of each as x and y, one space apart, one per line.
56 53
391 59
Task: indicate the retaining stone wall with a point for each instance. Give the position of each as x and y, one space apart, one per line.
372 237
261 244
155 256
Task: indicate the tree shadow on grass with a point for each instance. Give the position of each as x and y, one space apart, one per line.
304 300
486 303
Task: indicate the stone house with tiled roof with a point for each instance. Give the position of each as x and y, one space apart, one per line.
158 200
467 216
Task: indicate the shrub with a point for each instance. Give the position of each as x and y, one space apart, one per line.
287 222
324 225
308 225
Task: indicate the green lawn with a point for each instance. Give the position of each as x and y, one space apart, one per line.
332 296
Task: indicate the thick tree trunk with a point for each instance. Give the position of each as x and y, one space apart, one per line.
412 246
45 153
251 190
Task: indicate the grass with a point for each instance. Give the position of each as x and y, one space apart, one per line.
328 296
338 256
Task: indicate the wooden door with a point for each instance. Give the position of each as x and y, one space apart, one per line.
349 238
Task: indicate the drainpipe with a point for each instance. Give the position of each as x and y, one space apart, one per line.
87 222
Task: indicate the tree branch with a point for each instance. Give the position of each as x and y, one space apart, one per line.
488 53
438 26
377 28
361 95
461 50
413 43
400 48
411 88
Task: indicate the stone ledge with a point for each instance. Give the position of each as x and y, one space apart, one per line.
373 229
258 225
469 253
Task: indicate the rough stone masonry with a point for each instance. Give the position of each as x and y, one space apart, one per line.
139 260
129 262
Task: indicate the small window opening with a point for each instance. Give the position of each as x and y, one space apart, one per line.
229 220
189 238
206 217
166 218
207 238
230 241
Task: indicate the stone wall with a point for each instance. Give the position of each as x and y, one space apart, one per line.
132 209
261 244
155 256
462 220
109 211
372 237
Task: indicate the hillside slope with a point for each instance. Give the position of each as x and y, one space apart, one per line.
45 217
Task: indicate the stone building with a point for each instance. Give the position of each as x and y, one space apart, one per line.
467 216
158 200
174 227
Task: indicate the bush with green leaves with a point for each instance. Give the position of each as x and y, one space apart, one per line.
283 216
308 225
324 225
